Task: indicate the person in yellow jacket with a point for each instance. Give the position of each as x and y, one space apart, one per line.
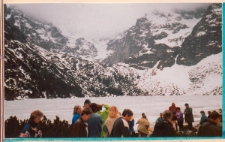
104 114
143 126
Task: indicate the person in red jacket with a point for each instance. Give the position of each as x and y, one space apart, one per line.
173 109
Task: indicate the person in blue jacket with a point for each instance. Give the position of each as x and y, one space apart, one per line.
94 122
32 128
76 113
204 118
131 126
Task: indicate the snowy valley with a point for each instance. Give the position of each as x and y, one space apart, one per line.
175 53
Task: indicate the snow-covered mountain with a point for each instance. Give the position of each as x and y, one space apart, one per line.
146 59
205 39
180 36
41 33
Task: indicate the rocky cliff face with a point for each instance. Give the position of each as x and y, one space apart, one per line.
134 40
31 71
163 39
205 39
42 33
28 73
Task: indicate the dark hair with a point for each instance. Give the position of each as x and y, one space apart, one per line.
186 104
94 107
167 114
86 111
214 115
87 101
178 108
202 112
127 112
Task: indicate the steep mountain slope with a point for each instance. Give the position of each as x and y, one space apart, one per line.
29 74
205 39
42 33
31 71
204 78
169 38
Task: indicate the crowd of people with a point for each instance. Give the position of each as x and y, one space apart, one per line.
92 121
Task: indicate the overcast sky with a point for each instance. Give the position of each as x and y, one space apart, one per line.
97 20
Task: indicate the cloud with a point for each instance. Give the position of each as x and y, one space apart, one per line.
97 20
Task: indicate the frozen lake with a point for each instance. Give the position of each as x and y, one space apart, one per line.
150 105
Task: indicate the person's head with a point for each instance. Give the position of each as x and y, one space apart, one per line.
173 104
215 117
113 112
202 112
36 116
168 115
209 112
143 114
86 113
77 109
127 114
161 115
95 107
87 103
186 105
178 109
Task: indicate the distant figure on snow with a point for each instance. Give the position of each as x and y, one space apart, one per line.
180 119
188 117
173 109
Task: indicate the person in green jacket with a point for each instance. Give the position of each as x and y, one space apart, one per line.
104 114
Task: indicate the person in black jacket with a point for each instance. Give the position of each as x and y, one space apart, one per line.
32 128
165 127
80 127
211 127
121 125
189 118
